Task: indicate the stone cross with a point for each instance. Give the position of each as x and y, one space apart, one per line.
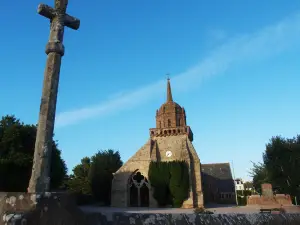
40 176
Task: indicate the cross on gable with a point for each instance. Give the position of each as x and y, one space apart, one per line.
60 8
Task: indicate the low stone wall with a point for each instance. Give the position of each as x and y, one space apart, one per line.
39 209
57 208
193 219
278 199
283 199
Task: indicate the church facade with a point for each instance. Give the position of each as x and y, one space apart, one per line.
170 140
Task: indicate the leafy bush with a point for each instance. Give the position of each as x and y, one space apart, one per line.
103 165
170 181
179 182
91 180
242 196
17 141
159 177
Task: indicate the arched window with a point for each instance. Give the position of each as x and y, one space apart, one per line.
139 191
169 123
159 124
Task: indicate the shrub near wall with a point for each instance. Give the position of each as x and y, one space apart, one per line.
242 197
179 182
170 181
159 177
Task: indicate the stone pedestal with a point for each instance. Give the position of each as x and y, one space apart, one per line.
269 199
42 209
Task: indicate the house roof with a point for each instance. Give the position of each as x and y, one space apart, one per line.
221 173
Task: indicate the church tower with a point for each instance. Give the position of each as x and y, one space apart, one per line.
171 119
170 140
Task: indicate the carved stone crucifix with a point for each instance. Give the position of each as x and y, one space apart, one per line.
39 181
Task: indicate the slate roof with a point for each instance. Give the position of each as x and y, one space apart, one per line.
221 173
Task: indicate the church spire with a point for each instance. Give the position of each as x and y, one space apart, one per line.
169 92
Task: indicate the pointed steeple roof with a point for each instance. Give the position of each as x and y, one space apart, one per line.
169 92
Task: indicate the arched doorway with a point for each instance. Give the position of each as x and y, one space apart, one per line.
138 191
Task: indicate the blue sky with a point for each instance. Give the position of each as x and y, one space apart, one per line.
234 66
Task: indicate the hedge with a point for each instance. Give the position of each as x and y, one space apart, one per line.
170 181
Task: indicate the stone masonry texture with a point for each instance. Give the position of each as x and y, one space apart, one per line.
268 198
170 140
40 180
193 219
34 209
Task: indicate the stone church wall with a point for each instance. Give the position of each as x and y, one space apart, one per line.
156 150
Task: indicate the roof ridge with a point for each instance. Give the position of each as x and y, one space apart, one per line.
215 163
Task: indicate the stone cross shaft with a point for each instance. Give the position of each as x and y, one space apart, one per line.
40 176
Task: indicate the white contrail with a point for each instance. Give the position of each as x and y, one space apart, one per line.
256 46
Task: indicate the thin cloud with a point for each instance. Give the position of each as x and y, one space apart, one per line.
217 34
257 46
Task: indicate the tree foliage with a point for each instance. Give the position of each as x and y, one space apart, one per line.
104 164
170 181
242 196
281 162
93 176
179 182
159 176
17 142
248 185
259 175
78 182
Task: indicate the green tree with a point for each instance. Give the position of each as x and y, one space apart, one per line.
248 185
259 175
103 165
282 161
17 142
79 182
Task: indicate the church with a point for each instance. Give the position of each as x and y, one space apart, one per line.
171 140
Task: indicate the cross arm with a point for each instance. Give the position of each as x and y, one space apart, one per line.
50 13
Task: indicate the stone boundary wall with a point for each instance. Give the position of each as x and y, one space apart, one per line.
176 219
192 219
59 208
278 199
48 208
